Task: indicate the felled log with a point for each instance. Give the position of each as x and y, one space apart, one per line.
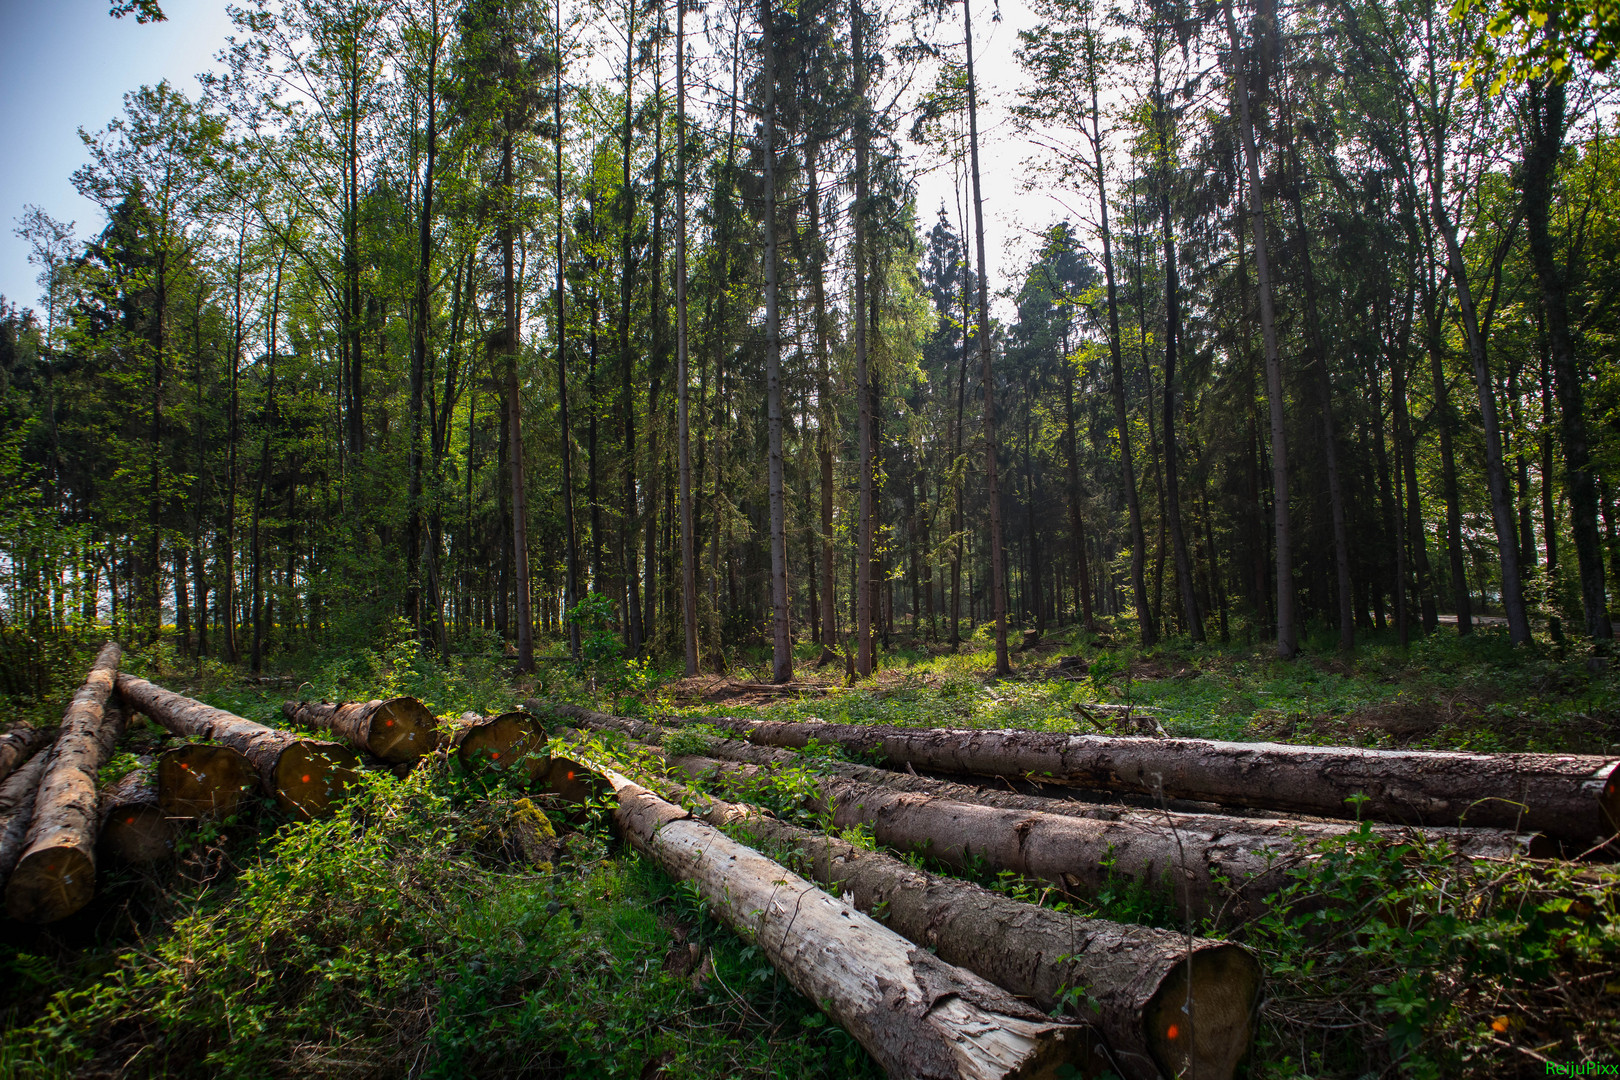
203 780
20 742
1136 978
397 730
510 740
1204 871
1573 798
915 1014
1469 842
17 810
304 776
134 828
56 874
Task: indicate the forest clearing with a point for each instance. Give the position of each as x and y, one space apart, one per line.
801 539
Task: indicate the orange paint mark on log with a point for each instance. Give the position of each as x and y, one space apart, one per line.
388 723
129 821
1173 1033
570 774
306 778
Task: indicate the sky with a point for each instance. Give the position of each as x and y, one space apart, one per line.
65 64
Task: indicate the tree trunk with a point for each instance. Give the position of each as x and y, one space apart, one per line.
998 567
305 776
20 743
1570 797
916 1015
1545 106
565 437
1287 635
683 377
419 338
134 828
861 583
56 873
781 633
1136 978
514 419
17 795
203 780
396 730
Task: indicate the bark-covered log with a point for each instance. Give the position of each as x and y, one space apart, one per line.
1135 978
304 776
56 874
509 740
17 810
1469 842
134 828
397 730
1203 872
916 1015
203 780
21 742
1569 797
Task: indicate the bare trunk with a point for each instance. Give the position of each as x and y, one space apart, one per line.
781 634
683 377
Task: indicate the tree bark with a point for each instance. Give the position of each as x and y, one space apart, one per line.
396 730
56 873
19 744
781 635
861 583
203 780
998 567
134 827
683 377
17 810
916 1015
1569 797
1136 978
305 776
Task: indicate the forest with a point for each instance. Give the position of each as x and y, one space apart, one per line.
597 378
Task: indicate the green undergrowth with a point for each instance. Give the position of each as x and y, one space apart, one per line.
400 937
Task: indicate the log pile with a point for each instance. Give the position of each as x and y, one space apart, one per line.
134 827
304 776
397 730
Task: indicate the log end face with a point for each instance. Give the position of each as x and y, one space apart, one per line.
511 740
50 883
1200 1021
138 834
1070 1051
1609 801
575 783
310 777
199 780
402 729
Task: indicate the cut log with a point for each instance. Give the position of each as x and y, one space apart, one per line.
56 874
203 780
1135 978
1468 842
397 730
134 828
21 742
17 810
509 740
915 1014
304 776
1569 797
1201 872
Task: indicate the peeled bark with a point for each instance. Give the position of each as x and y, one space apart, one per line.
916 1015
396 730
1472 842
203 780
1567 797
134 828
1135 977
305 776
56 874
17 810
20 743
509 740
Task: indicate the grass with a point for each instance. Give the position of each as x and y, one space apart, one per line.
407 936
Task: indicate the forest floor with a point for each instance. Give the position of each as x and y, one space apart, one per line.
408 936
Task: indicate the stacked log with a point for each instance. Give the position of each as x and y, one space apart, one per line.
1572 798
17 811
201 780
304 776
56 873
510 740
397 730
134 827
1166 1004
20 742
1468 842
915 1014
